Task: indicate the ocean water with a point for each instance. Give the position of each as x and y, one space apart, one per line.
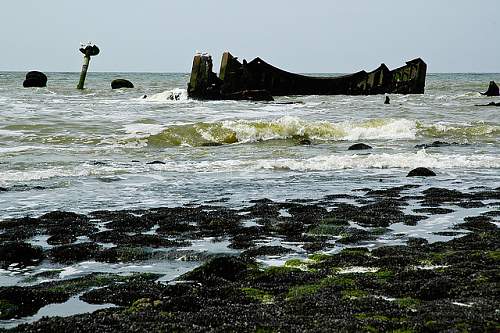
65 149
103 149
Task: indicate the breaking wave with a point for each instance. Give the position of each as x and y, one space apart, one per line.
464 132
322 163
340 162
288 127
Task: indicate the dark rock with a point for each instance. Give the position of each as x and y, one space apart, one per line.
435 289
18 252
435 144
315 246
121 83
26 301
66 225
67 254
227 268
61 239
35 79
127 222
211 144
421 172
354 235
304 142
156 162
359 146
123 254
416 242
477 223
492 90
266 250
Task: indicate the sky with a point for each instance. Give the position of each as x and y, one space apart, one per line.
315 36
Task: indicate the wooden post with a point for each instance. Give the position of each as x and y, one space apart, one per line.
88 51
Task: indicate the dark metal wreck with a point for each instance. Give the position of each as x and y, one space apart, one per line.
258 80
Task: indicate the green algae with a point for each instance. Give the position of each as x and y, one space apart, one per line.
383 274
294 263
75 286
338 280
326 229
143 304
303 290
258 295
407 302
355 251
353 294
495 255
52 274
318 257
7 309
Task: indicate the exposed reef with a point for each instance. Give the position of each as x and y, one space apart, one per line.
418 287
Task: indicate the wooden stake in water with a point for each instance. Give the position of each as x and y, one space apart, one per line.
88 51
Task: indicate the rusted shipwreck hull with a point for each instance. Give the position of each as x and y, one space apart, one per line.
257 79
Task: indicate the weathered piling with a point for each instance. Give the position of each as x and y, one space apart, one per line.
88 51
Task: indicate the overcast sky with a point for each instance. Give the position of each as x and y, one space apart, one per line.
300 36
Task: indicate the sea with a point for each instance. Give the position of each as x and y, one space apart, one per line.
152 146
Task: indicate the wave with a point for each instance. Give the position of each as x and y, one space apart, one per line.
288 127
384 161
463 131
245 131
332 162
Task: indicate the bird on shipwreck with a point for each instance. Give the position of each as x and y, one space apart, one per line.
258 80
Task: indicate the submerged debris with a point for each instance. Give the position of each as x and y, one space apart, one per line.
258 80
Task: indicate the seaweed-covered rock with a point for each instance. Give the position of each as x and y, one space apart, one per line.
19 252
266 250
73 253
226 268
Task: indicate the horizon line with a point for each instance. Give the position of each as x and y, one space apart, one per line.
173 72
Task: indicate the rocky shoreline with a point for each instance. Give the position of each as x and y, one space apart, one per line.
418 287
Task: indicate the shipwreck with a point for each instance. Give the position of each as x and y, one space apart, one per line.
258 80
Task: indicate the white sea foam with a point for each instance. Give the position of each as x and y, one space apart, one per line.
19 149
169 96
140 130
340 162
13 176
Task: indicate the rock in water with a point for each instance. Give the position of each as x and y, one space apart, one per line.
121 83
492 90
359 146
421 172
35 79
